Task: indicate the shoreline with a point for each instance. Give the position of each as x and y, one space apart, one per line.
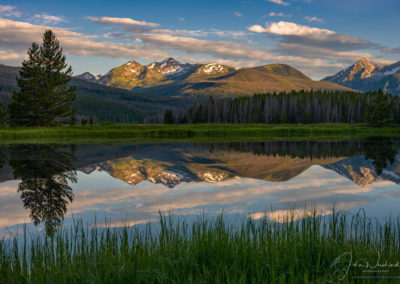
198 132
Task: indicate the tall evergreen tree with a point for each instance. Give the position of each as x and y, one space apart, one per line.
381 110
3 115
169 117
44 97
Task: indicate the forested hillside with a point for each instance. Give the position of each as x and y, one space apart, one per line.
104 103
294 107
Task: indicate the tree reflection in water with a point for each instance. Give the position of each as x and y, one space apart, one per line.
45 172
381 151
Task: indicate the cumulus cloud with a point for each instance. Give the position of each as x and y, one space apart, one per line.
223 49
257 29
10 56
147 43
49 19
280 14
327 45
9 11
16 37
314 19
279 2
121 21
288 28
289 32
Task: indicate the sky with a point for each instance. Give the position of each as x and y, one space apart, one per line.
318 37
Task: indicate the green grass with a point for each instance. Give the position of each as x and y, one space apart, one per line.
197 131
315 250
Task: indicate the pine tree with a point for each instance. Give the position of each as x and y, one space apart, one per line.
44 98
3 115
381 110
169 117
24 107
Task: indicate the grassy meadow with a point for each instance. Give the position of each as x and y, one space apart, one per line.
318 249
198 131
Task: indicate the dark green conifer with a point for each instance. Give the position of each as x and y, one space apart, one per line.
169 117
3 115
381 109
43 98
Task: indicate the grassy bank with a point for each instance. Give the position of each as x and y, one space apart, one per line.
317 250
198 131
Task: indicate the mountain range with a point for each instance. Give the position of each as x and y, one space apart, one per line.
173 78
102 102
134 92
365 75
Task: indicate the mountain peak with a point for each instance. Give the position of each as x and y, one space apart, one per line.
362 69
170 60
365 75
133 63
363 60
88 77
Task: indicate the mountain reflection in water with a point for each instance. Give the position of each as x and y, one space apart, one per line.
127 181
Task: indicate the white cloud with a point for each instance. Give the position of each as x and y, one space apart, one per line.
288 28
16 37
181 19
316 52
237 14
315 43
9 11
279 2
121 21
10 56
49 19
314 19
295 33
257 29
280 14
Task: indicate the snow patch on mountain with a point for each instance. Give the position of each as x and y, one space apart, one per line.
133 71
213 67
390 174
393 71
213 177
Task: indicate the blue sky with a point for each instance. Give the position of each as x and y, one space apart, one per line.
319 37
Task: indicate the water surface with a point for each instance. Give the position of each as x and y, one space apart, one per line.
47 185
